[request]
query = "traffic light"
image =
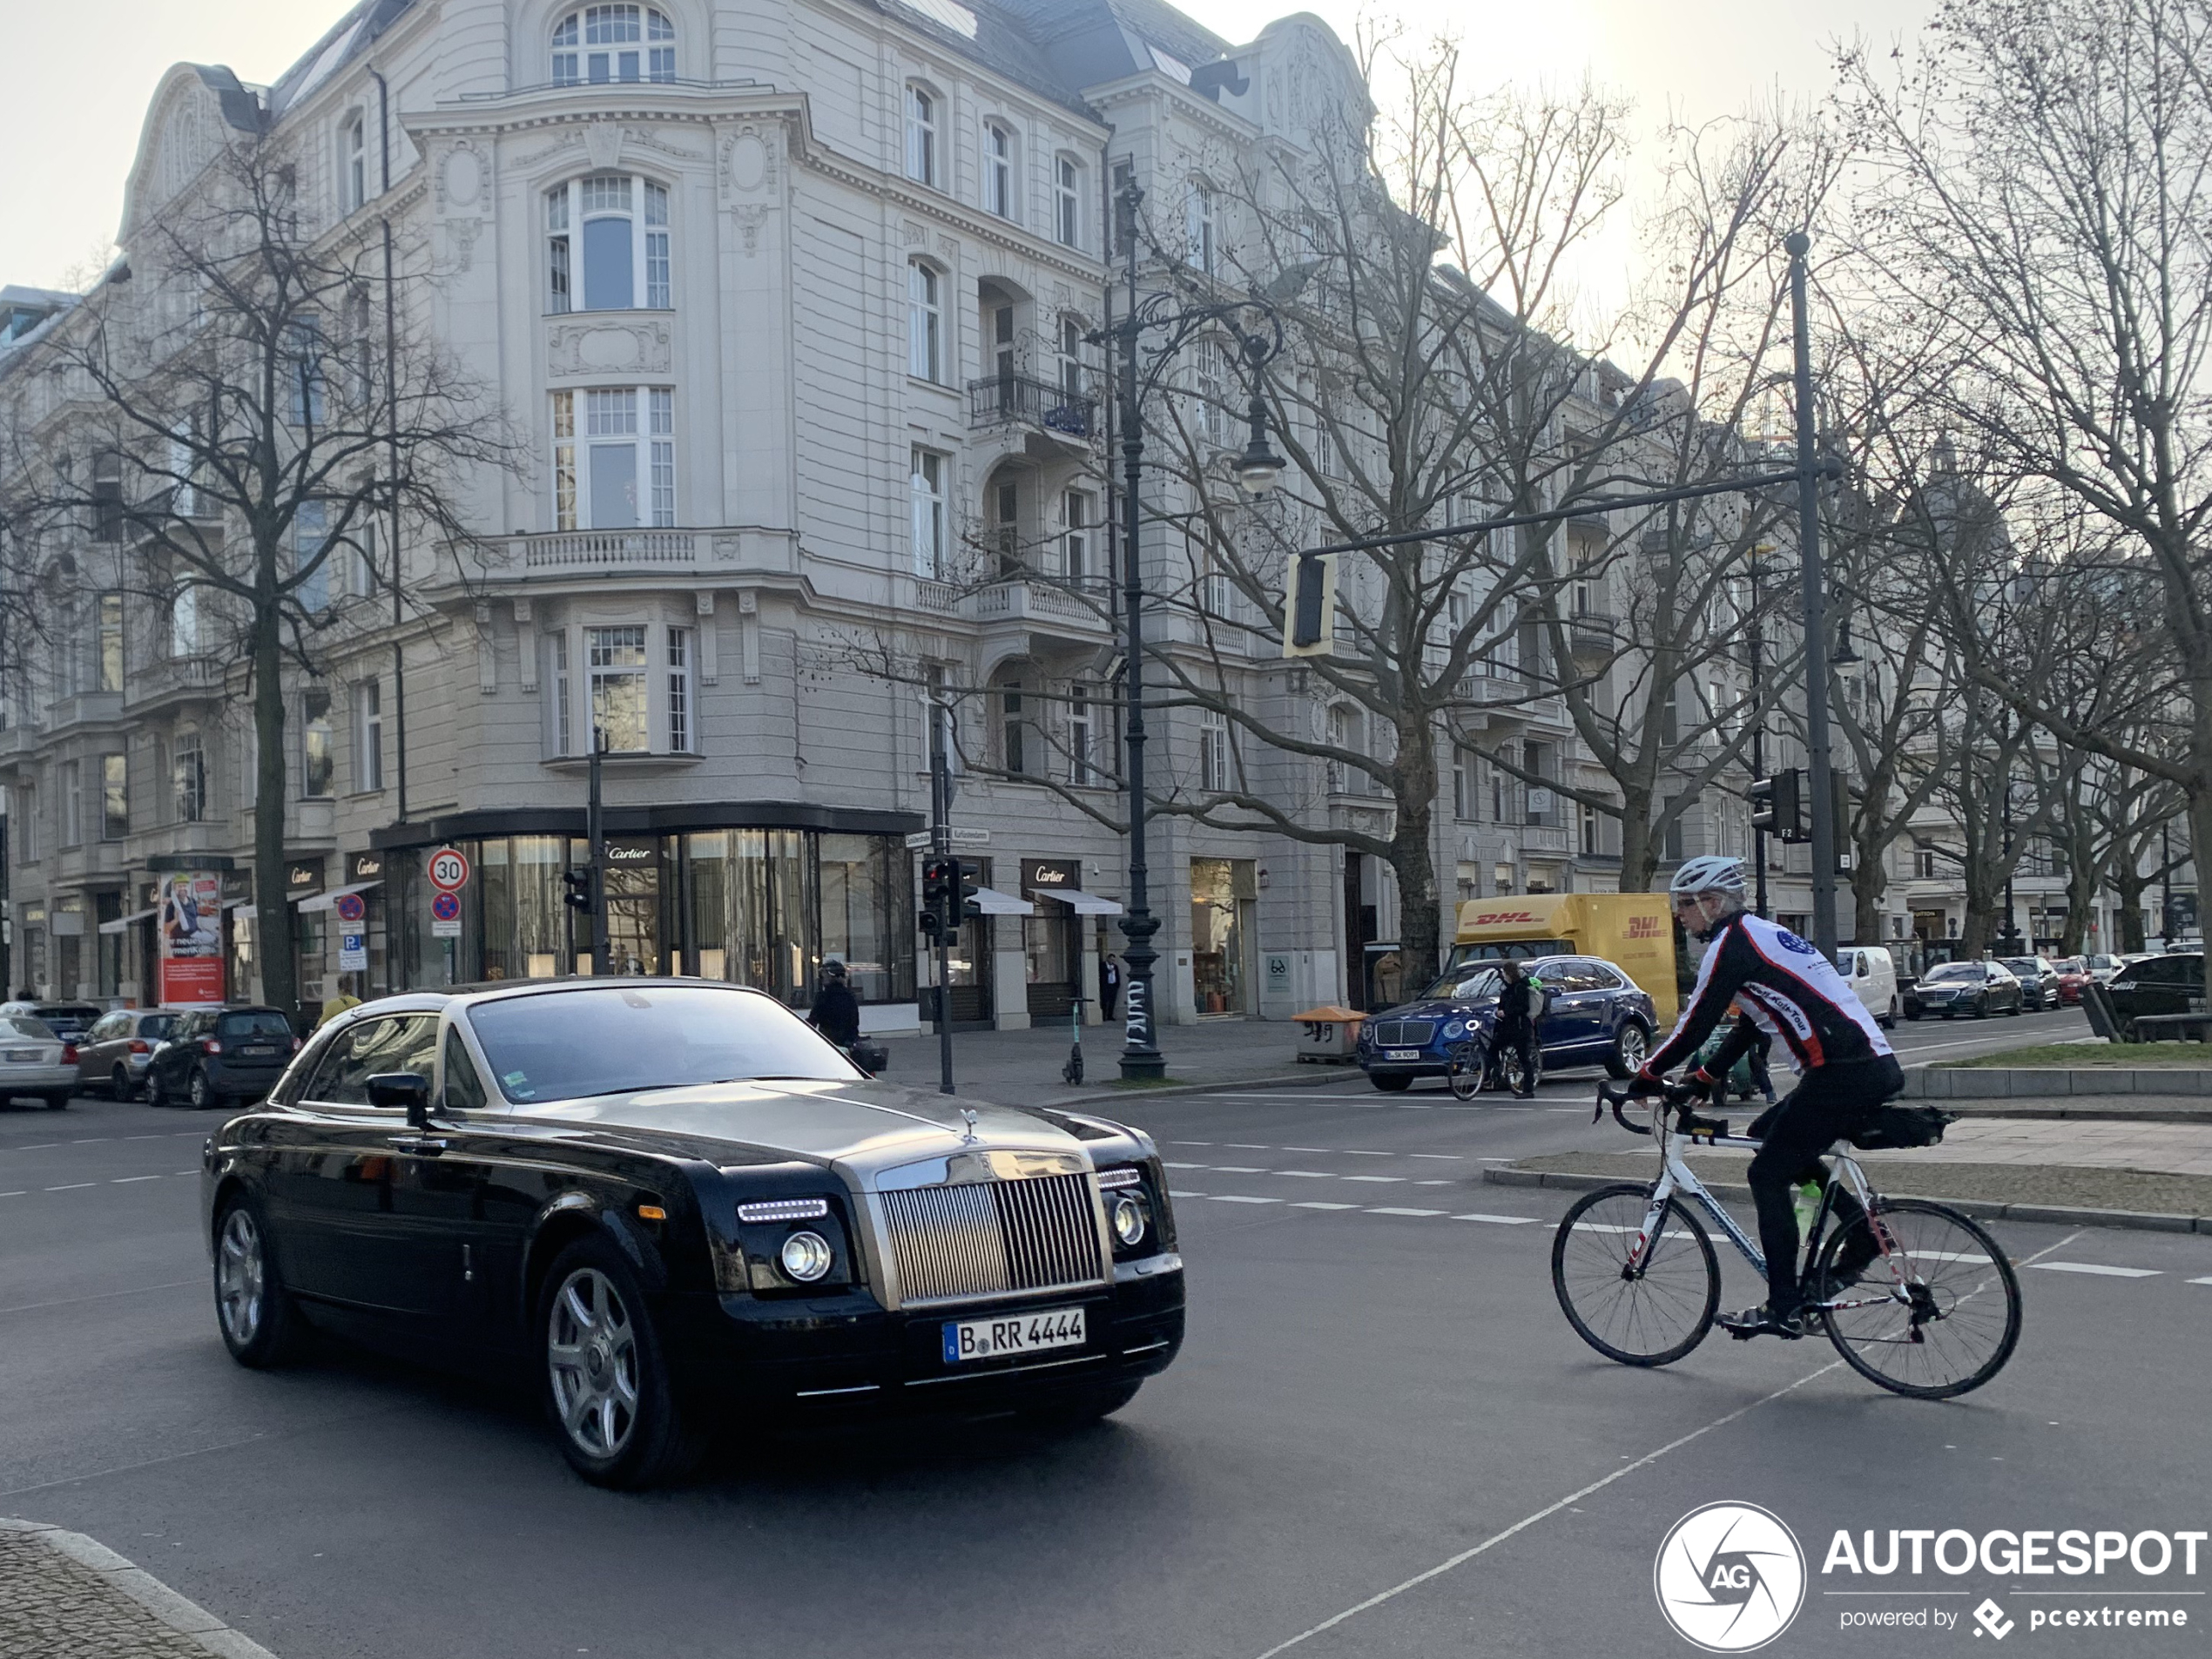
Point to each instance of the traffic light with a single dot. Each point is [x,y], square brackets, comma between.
[940,881]
[971,883]
[929,924]
[1777,805]
[1309,606]
[577,884]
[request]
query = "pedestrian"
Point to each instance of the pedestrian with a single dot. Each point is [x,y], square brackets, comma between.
[338,1002]
[1109,983]
[836,1013]
[1519,1001]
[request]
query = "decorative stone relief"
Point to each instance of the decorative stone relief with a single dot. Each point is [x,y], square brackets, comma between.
[948,249]
[913,234]
[460,179]
[461,242]
[749,216]
[602,143]
[524,654]
[646,139]
[534,157]
[487,652]
[709,656]
[608,347]
[750,160]
[749,636]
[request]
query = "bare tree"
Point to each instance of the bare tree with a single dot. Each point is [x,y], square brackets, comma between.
[252,420]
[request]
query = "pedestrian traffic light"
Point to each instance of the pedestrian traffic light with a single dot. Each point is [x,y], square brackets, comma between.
[930,924]
[940,885]
[578,884]
[1777,805]
[1309,606]
[971,883]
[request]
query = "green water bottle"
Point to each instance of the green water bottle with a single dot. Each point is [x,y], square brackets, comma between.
[1807,1204]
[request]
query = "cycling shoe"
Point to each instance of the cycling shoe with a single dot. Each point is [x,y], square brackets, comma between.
[1762,1321]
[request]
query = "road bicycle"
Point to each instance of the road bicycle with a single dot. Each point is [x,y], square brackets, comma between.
[1465,1060]
[1934,1314]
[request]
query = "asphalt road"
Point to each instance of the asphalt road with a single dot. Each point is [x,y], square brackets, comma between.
[1378,1385]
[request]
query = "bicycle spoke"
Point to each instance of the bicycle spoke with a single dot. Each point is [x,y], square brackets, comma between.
[1639,1314]
[1936,1315]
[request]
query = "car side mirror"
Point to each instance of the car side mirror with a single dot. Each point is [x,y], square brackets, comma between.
[410,1089]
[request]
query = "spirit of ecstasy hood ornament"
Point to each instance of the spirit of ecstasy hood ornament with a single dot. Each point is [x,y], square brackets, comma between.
[968,1134]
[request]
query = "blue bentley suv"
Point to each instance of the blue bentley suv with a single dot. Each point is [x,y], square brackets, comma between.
[1594,1015]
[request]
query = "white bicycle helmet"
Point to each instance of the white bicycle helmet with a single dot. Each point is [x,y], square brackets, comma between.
[1707,874]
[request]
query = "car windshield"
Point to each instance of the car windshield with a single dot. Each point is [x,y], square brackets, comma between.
[22,1025]
[2023,965]
[254,1022]
[1955,971]
[565,1045]
[1469,981]
[64,1014]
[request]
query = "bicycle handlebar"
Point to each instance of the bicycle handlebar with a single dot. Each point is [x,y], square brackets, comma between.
[1677,1097]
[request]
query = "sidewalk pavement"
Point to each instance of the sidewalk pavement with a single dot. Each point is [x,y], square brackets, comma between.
[64,1596]
[1022,1067]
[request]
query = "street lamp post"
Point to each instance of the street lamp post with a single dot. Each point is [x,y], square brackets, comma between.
[1256,471]
[1819,784]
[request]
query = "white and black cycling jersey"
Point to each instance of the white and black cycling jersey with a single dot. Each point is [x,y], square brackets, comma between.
[1789,989]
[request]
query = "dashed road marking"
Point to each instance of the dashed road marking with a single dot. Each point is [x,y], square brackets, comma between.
[125,1180]
[2099,1268]
[1391,1180]
[1239,1197]
[1503,1221]
[1393,1210]
[2194,1281]
[1315,1204]
[1238,1168]
[73,1186]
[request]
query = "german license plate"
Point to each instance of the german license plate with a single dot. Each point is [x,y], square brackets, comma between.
[1017,1333]
[22,1057]
[257,1051]
[1401,1054]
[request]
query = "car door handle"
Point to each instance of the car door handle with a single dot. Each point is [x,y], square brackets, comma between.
[428,1146]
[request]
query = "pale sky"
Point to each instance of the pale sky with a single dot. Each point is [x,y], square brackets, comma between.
[83,72]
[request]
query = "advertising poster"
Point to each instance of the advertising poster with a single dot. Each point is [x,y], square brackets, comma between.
[189,917]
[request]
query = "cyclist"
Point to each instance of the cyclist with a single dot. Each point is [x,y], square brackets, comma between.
[1520,1000]
[1788,989]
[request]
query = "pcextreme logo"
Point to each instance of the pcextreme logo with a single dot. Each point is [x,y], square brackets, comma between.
[1730,1577]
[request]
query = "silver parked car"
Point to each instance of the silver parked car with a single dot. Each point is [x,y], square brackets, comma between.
[32,1066]
[112,1055]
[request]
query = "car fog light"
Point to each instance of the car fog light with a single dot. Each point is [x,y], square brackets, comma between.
[807,1257]
[1129,1219]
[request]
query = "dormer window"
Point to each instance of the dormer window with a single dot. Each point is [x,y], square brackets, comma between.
[600,44]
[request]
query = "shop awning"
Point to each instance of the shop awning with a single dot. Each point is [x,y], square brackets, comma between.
[324,900]
[122,922]
[1083,904]
[992,902]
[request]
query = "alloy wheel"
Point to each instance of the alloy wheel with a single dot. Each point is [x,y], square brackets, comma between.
[1633,1046]
[239,1277]
[591,1354]
[200,1093]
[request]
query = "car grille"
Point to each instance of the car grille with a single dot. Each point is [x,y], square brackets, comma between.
[1404,1034]
[994,1238]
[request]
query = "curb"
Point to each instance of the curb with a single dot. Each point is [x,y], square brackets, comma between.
[187,1619]
[1937,1080]
[1992,1107]
[2061,1215]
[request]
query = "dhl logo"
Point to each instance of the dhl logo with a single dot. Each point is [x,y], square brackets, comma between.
[1644,928]
[1492,917]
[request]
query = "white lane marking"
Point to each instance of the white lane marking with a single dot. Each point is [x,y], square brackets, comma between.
[1315,1203]
[1173,1193]
[1569,1501]
[1305,1149]
[1310,1175]
[1239,1168]
[1189,1143]
[39,1146]
[1503,1221]
[1239,1198]
[1436,1184]
[1355,1152]
[1384,1210]
[125,1180]
[1246,1146]
[1452,1156]
[145,1137]
[1184,1166]
[73,1186]
[93,1140]
[2194,1281]
[1391,1180]
[2099,1268]
[16,1194]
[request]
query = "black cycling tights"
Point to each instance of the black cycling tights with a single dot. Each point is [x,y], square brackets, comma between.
[1826,1106]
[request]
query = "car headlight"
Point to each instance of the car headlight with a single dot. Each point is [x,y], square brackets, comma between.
[1454,1031]
[807,1257]
[1127,1216]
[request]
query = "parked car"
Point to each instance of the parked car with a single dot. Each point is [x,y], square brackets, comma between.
[32,1066]
[2073,974]
[2039,981]
[671,1203]
[2171,984]
[1952,989]
[2103,967]
[212,1056]
[113,1054]
[1871,974]
[1594,1015]
[68,1020]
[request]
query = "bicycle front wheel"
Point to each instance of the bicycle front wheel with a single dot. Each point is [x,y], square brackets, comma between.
[1466,1071]
[1647,1314]
[1934,1311]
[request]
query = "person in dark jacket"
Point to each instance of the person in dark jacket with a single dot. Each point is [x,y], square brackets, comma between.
[1109,984]
[1516,1027]
[836,1013]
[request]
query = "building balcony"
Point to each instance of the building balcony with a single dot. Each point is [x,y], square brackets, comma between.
[1593,633]
[84,709]
[1038,605]
[174,679]
[1059,416]
[637,551]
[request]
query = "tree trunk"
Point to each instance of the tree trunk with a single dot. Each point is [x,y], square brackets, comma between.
[1413,859]
[1868,885]
[2080,896]
[2128,883]
[1639,843]
[273,912]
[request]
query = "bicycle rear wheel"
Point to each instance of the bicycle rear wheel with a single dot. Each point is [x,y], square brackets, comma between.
[1465,1072]
[1647,1316]
[1935,1312]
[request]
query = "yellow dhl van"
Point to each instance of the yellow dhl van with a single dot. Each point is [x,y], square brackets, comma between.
[1633,931]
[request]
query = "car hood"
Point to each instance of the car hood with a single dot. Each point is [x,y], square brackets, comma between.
[871,1132]
[1435,1011]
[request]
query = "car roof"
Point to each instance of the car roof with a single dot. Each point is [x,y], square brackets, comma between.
[498,990]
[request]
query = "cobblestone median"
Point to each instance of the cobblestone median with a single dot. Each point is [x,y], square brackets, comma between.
[63,1597]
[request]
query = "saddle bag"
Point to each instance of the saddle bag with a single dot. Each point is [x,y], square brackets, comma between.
[1890,1127]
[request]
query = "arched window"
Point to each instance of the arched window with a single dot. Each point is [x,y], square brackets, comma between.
[614,43]
[353,162]
[621,223]
[922,135]
[1068,201]
[925,323]
[1198,229]
[998,170]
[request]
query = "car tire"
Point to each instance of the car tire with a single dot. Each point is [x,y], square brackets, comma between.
[1079,1407]
[119,1085]
[59,1102]
[616,1415]
[253,1310]
[156,1095]
[199,1091]
[1888,1022]
[1631,1048]
[1391,1083]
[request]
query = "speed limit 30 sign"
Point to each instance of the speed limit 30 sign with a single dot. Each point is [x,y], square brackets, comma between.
[448,869]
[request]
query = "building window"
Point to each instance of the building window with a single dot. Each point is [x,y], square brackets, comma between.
[600,44]
[1076,512]
[188,779]
[1082,751]
[679,690]
[1071,358]
[1068,201]
[304,374]
[107,499]
[629,476]
[1198,231]
[1013,750]
[922,135]
[1006,530]
[318,752]
[1462,783]
[115,797]
[998,170]
[1591,844]
[310,565]
[926,487]
[556,652]
[1212,387]
[353,164]
[1213,752]
[183,621]
[625,250]
[27,815]
[925,323]
[72,787]
[108,644]
[368,736]
[616,659]
[1124,227]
